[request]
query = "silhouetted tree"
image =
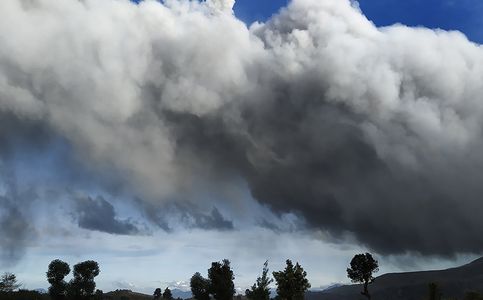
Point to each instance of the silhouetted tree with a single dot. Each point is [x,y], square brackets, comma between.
[221,278]
[362,268]
[200,287]
[99,295]
[55,276]
[260,290]
[167,295]
[8,282]
[157,294]
[291,282]
[82,286]
[434,292]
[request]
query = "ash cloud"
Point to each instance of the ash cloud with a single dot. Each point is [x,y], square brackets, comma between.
[99,215]
[171,216]
[212,221]
[373,132]
[15,232]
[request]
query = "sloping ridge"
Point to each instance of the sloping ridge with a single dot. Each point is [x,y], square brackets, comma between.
[126,295]
[454,282]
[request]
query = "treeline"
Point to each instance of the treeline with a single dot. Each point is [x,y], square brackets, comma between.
[291,283]
[81,287]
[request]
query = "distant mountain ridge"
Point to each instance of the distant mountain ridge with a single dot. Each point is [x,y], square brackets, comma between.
[126,295]
[453,282]
[177,293]
[130,295]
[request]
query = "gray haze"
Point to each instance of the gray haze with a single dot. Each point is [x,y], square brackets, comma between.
[15,232]
[364,132]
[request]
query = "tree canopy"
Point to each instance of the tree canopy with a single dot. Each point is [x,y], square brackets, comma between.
[8,282]
[221,279]
[167,295]
[200,287]
[260,290]
[157,294]
[82,286]
[361,270]
[291,282]
[55,276]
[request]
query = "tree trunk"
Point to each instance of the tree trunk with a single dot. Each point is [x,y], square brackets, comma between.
[366,291]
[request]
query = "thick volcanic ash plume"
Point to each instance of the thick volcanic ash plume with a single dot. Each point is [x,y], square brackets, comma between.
[374,132]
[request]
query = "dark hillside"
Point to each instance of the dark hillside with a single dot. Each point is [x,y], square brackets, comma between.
[454,282]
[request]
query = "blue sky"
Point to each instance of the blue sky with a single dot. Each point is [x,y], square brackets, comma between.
[462,15]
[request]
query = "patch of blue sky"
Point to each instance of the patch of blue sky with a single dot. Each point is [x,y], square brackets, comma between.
[462,15]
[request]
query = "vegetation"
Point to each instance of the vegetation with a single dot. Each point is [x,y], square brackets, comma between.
[8,282]
[157,294]
[361,270]
[55,276]
[260,290]
[82,286]
[99,295]
[291,282]
[167,295]
[219,283]
[23,295]
[200,287]
[221,278]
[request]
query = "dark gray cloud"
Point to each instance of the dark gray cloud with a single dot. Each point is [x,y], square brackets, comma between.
[18,136]
[212,221]
[98,214]
[172,215]
[158,215]
[312,158]
[362,131]
[15,231]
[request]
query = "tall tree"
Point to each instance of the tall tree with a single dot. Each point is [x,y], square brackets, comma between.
[82,286]
[8,282]
[221,278]
[200,287]
[361,270]
[260,290]
[167,295]
[55,276]
[291,282]
[157,294]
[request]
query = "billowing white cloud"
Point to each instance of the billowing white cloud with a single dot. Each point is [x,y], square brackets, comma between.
[354,128]
[222,5]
